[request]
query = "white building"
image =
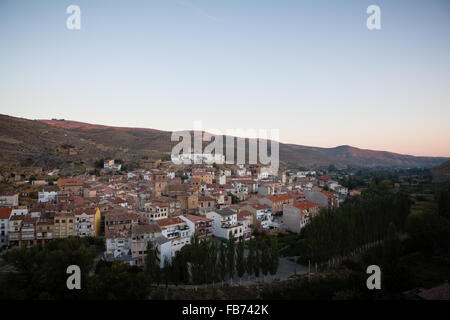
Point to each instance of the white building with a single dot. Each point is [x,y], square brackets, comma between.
[47,195]
[85,222]
[225,224]
[111,165]
[222,179]
[177,231]
[118,243]
[163,248]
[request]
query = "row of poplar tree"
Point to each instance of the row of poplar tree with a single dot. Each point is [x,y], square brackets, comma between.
[206,261]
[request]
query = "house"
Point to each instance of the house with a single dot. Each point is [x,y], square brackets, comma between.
[163,250]
[243,220]
[87,222]
[323,180]
[222,179]
[111,165]
[9,200]
[28,230]
[277,202]
[266,189]
[201,226]
[120,219]
[5,214]
[202,176]
[64,225]
[45,229]
[205,204]
[262,214]
[177,231]
[118,244]
[324,198]
[71,186]
[48,194]
[14,231]
[156,211]
[140,236]
[296,216]
[225,224]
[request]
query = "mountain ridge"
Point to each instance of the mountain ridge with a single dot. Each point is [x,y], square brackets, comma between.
[49,143]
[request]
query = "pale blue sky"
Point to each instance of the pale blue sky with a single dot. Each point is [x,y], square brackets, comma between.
[309,68]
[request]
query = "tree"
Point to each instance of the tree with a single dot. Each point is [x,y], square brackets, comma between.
[118,280]
[274,256]
[240,259]
[263,245]
[444,203]
[212,261]
[151,264]
[222,262]
[99,163]
[231,254]
[250,262]
[257,263]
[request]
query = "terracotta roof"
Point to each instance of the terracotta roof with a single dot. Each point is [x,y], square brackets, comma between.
[144,228]
[169,221]
[68,182]
[89,211]
[5,213]
[197,219]
[279,198]
[328,194]
[306,205]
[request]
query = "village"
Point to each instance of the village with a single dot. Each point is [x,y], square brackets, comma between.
[163,203]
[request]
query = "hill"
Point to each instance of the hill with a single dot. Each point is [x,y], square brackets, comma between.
[62,143]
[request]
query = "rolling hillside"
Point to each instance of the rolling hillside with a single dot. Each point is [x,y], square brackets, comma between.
[59,143]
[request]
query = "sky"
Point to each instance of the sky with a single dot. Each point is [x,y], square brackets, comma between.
[311,69]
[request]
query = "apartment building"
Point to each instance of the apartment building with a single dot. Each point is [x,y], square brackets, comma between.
[5,214]
[71,187]
[64,225]
[296,216]
[118,220]
[87,222]
[118,245]
[225,224]
[9,200]
[28,230]
[205,204]
[14,231]
[201,226]
[45,228]
[277,202]
[177,231]
[140,236]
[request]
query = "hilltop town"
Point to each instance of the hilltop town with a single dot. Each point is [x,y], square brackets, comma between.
[161,203]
